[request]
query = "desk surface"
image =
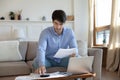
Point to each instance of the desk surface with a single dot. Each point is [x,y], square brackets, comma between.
[88,75]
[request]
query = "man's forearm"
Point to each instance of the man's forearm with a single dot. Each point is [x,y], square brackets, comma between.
[41,58]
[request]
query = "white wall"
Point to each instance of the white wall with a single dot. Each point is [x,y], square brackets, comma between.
[81,19]
[30,29]
[35,9]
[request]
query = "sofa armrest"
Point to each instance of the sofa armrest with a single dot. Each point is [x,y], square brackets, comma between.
[97,64]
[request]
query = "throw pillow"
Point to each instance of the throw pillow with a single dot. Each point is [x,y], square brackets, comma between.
[9,51]
[78,65]
[82,48]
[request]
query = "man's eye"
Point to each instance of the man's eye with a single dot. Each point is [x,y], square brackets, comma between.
[55,23]
[61,24]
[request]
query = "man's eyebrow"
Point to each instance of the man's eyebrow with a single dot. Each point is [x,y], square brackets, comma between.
[59,23]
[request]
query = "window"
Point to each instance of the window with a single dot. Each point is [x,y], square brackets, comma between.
[102,21]
[102,36]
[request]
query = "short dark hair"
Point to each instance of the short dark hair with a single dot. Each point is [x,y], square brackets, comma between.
[59,15]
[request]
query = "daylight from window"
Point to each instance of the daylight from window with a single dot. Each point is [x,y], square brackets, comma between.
[103,12]
[103,19]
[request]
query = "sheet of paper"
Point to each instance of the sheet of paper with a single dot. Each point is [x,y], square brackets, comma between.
[23,78]
[37,76]
[61,53]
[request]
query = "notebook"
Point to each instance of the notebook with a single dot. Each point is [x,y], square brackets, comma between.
[80,65]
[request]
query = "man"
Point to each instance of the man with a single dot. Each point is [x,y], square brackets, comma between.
[51,40]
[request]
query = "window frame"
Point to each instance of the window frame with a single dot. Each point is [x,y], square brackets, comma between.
[97,29]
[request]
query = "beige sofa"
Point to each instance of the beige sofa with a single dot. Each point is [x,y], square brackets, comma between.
[9,70]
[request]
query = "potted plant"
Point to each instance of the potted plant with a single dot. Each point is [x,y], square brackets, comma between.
[104,42]
[12,15]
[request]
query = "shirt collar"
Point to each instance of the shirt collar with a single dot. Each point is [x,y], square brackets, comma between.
[56,33]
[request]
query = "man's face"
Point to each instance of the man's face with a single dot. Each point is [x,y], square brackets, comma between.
[58,26]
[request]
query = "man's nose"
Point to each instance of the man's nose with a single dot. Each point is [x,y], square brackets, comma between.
[58,27]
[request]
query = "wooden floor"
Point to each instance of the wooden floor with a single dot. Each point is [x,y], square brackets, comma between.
[109,75]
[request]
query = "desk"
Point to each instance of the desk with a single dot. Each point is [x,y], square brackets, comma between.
[82,76]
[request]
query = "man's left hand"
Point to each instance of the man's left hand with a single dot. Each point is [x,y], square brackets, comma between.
[72,55]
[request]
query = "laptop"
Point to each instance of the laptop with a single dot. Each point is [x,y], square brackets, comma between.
[80,65]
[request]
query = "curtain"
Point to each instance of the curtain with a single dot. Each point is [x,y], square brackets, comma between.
[113,55]
[91,22]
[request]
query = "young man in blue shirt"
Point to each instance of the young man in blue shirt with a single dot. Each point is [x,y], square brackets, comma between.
[51,40]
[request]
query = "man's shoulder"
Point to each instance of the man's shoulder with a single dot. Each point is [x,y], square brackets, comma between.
[47,29]
[67,29]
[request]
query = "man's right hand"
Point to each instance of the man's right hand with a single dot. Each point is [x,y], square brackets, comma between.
[41,70]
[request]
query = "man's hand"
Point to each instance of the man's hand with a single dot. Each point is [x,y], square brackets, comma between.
[41,70]
[72,55]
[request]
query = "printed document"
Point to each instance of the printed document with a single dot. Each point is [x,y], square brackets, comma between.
[61,53]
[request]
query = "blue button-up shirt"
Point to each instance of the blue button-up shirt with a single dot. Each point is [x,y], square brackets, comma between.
[50,42]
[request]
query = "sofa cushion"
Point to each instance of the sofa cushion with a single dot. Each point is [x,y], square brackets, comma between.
[9,51]
[23,49]
[14,68]
[8,78]
[31,50]
[29,63]
[82,48]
